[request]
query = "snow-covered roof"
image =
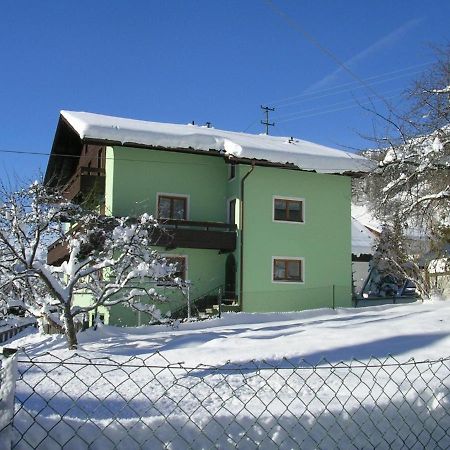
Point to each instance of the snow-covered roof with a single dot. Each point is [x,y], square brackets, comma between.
[362,240]
[364,216]
[281,150]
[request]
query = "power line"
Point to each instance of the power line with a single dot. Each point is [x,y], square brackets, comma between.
[295,25]
[63,155]
[352,83]
[342,102]
[337,109]
[283,116]
[250,125]
[315,97]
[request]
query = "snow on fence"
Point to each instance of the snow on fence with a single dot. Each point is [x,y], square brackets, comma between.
[77,402]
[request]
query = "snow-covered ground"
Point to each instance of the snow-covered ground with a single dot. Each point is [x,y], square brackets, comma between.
[419,330]
[147,403]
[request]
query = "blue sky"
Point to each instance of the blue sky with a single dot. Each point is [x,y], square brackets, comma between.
[204,60]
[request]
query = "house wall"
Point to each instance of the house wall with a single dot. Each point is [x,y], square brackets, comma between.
[134,176]
[324,240]
[83,300]
[206,271]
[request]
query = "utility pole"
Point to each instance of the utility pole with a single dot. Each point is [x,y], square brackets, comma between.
[266,122]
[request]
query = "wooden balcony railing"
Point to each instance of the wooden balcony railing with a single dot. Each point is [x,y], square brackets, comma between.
[172,234]
[57,252]
[194,234]
[85,180]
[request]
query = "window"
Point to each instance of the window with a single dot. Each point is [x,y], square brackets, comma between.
[232,211]
[288,210]
[180,266]
[288,270]
[100,158]
[172,207]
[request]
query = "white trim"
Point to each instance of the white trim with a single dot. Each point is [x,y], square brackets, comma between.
[283,197]
[173,194]
[289,258]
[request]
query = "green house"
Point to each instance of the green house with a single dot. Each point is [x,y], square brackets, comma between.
[264,221]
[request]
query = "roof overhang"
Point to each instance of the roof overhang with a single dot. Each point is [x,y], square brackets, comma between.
[76,129]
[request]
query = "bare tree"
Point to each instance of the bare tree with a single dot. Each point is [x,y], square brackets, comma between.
[109,259]
[412,181]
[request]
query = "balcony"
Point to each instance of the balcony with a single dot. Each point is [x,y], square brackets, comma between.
[191,234]
[57,252]
[172,234]
[86,180]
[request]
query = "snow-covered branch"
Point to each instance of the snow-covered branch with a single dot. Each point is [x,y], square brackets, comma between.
[108,259]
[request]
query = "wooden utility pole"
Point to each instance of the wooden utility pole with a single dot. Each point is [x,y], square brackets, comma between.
[266,122]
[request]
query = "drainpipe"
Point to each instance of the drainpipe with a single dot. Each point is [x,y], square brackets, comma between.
[241,220]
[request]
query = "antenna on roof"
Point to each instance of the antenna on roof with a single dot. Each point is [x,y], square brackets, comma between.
[266,122]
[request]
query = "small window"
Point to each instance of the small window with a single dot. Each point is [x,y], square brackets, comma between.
[288,270]
[232,211]
[172,207]
[288,210]
[100,159]
[179,263]
[231,171]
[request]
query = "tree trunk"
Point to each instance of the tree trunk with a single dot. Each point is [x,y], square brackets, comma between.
[69,327]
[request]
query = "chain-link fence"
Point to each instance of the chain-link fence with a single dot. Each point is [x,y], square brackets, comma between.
[78,401]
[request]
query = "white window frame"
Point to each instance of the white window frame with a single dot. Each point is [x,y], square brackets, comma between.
[288,258]
[296,199]
[172,194]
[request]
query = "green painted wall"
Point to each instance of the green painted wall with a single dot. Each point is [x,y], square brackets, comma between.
[323,241]
[85,300]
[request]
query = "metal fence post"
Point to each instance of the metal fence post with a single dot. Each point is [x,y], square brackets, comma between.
[219,299]
[188,302]
[8,377]
[334,301]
